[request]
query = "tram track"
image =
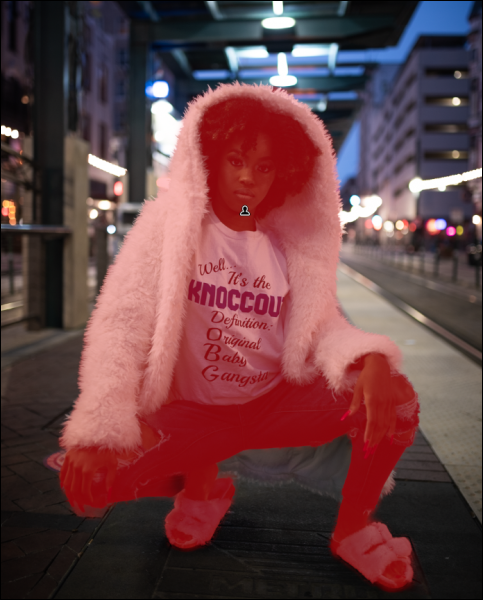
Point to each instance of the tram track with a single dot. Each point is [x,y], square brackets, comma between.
[453,317]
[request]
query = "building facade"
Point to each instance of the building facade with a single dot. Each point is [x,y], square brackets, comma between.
[415,124]
[474,123]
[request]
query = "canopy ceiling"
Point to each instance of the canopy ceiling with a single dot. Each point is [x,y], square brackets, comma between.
[196,38]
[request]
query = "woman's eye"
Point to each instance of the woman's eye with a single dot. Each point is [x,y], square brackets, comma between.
[233,160]
[266,169]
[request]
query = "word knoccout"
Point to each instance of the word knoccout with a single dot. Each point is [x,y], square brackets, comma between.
[211,295]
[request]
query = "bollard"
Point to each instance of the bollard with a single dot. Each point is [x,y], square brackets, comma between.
[436,264]
[455,267]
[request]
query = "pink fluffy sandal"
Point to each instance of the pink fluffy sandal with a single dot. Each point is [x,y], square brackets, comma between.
[193,522]
[371,550]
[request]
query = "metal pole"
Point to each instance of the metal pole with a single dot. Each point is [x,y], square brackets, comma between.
[477,274]
[455,266]
[10,264]
[436,264]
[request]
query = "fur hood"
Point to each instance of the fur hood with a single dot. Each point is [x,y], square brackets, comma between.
[132,339]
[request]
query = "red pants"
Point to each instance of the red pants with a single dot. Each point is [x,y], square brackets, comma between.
[196,435]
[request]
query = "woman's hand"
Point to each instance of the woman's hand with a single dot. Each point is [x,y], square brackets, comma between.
[381,393]
[81,464]
[77,473]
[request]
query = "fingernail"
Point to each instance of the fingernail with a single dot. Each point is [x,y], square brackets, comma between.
[345,415]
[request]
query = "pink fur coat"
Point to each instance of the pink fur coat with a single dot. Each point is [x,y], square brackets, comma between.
[132,338]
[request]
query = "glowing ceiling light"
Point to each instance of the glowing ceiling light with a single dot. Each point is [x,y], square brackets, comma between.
[282,66]
[277,8]
[301,50]
[278,23]
[283,81]
[255,52]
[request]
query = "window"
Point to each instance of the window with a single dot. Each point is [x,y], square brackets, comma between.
[446,155]
[452,73]
[86,127]
[102,83]
[103,141]
[87,73]
[445,127]
[122,57]
[121,87]
[446,101]
[119,120]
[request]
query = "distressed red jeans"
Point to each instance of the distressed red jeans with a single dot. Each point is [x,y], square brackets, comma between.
[197,435]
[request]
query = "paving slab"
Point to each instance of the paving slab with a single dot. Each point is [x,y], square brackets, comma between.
[273,543]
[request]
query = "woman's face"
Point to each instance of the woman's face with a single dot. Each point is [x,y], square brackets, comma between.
[245,179]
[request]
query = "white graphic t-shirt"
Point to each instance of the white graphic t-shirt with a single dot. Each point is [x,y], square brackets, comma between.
[231,348]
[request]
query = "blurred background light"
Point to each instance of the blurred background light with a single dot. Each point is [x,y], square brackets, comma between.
[368,224]
[476,220]
[377,222]
[106,166]
[399,225]
[254,52]
[440,224]
[104,205]
[283,81]
[277,8]
[93,214]
[118,188]
[460,230]
[282,66]
[111,229]
[431,226]
[451,231]
[388,226]
[302,50]
[278,23]
[456,101]
[413,227]
[355,200]
[161,107]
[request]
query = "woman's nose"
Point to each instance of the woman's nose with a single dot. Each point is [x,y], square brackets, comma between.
[246,175]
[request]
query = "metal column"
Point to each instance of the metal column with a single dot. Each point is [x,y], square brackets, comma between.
[49,125]
[139,144]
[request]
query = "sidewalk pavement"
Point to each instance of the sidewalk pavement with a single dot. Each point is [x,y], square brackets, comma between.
[273,542]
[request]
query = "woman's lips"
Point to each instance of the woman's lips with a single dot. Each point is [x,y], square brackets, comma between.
[244,195]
